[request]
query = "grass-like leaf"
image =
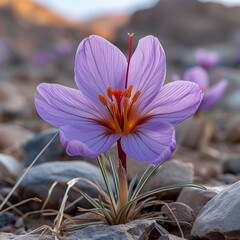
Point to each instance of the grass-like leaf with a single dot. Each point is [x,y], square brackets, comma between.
[131,186]
[143,180]
[114,174]
[156,191]
[107,184]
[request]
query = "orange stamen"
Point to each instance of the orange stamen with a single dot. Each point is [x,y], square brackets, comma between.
[102,99]
[122,118]
[110,92]
[136,96]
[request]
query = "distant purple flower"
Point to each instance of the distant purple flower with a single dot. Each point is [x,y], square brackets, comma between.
[42,57]
[211,94]
[118,100]
[63,48]
[206,59]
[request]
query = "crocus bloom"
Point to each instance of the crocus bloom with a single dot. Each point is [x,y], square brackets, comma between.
[119,100]
[211,94]
[207,59]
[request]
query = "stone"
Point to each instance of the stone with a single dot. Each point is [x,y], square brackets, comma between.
[135,230]
[12,138]
[41,177]
[9,167]
[228,178]
[8,236]
[34,146]
[233,129]
[195,198]
[232,101]
[219,218]
[194,133]
[7,218]
[183,213]
[232,165]
[12,104]
[170,237]
[171,172]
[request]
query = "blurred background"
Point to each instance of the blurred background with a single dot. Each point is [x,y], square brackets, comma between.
[39,38]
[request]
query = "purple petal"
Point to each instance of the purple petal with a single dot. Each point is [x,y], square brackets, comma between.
[213,94]
[86,139]
[207,59]
[59,105]
[197,75]
[153,142]
[98,65]
[176,102]
[147,69]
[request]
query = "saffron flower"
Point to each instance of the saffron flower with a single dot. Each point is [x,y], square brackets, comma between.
[119,100]
[206,59]
[211,93]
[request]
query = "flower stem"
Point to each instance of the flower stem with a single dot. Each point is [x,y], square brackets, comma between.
[122,155]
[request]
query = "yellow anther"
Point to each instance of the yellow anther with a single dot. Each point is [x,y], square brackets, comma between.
[110,92]
[102,99]
[136,96]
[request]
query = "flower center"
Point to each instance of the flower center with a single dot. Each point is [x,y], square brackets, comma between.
[121,106]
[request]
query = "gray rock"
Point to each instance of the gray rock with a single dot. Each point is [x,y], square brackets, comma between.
[194,133]
[134,230]
[219,218]
[232,101]
[41,177]
[8,236]
[34,146]
[232,165]
[171,172]
[233,129]
[228,178]
[195,198]
[6,219]
[9,167]
[182,212]
[12,138]
[170,237]
[13,104]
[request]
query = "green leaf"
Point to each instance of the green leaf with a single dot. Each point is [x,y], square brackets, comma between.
[168,188]
[107,184]
[114,173]
[90,199]
[143,180]
[155,191]
[131,186]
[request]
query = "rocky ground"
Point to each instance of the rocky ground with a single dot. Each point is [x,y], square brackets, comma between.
[208,151]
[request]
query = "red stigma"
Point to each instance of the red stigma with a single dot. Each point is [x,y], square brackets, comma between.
[118,95]
[129,57]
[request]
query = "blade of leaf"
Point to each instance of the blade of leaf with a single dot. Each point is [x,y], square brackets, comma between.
[106,181]
[155,191]
[131,186]
[114,173]
[143,180]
